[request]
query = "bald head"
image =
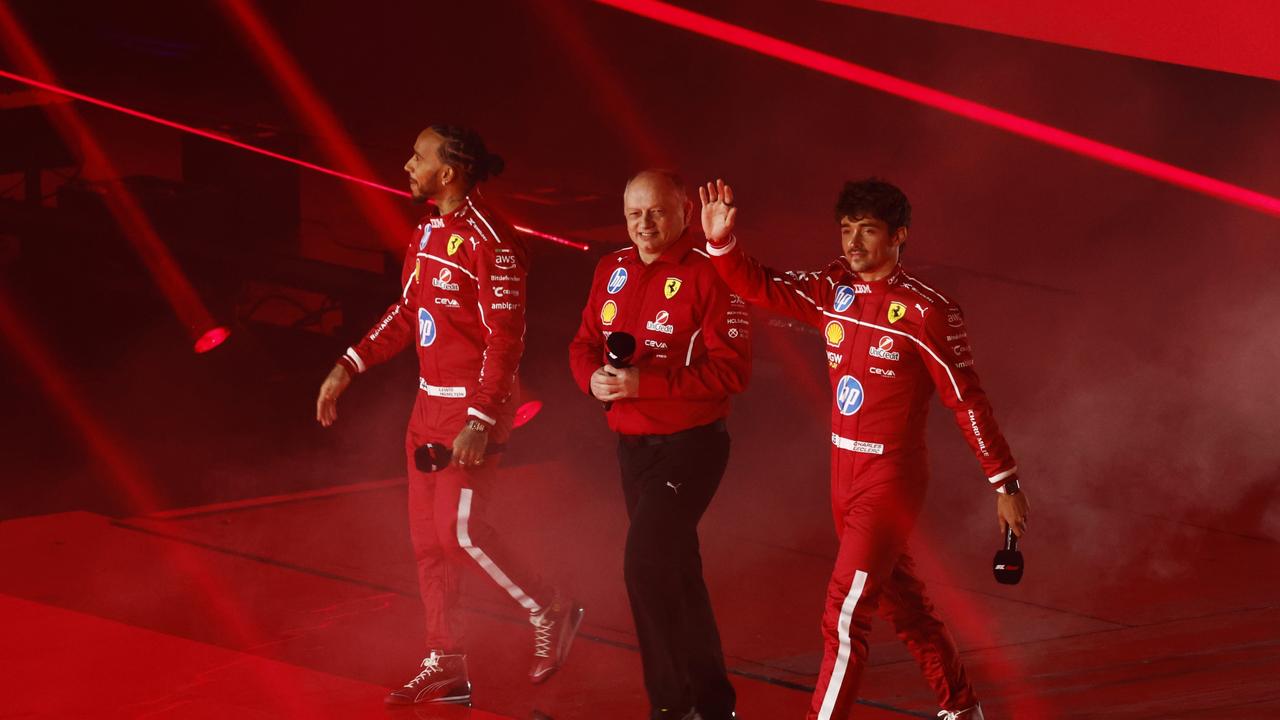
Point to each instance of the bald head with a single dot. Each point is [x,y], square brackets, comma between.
[657,211]
[667,179]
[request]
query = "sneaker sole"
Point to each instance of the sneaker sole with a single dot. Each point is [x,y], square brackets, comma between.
[454,700]
[568,643]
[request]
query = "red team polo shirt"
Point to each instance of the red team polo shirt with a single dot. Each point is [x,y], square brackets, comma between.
[693,337]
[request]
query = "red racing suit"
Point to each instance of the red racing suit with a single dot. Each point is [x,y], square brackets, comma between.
[890,344]
[462,308]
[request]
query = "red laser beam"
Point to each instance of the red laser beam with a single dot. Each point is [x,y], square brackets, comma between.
[122,205]
[798,55]
[315,114]
[50,87]
[189,129]
[624,113]
[108,454]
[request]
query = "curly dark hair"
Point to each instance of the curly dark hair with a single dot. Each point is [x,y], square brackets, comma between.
[875,198]
[465,151]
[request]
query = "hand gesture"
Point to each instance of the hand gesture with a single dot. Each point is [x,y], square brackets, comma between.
[330,389]
[718,212]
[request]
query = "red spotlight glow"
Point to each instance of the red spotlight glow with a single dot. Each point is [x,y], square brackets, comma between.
[123,206]
[310,108]
[1040,132]
[212,339]
[525,412]
[50,87]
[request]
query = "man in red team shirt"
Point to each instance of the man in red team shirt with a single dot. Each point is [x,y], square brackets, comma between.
[462,308]
[668,407]
[891,341]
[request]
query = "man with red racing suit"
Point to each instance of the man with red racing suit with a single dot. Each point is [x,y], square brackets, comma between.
[462,309]
[891,341]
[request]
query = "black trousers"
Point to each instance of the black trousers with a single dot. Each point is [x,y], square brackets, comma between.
[669,482]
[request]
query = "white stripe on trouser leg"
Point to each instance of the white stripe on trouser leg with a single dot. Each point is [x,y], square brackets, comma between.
[842,657]
[464,540]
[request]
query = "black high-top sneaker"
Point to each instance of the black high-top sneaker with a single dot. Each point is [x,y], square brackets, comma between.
[554,628]
[442,679]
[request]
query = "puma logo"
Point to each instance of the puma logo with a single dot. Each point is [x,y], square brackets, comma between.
[674,486]
[921,309]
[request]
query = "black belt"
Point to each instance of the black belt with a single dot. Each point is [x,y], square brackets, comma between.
[647,440]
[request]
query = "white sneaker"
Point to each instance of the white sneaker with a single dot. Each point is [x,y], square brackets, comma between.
[973,713]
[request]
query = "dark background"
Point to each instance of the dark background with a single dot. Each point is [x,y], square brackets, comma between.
[1123,327]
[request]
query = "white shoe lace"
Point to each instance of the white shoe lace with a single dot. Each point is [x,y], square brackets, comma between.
[949,715]
[430,666]
[542,634]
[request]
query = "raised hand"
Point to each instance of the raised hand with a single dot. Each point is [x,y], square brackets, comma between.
[718,212]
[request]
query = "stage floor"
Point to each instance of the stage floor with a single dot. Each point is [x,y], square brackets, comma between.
[306,606]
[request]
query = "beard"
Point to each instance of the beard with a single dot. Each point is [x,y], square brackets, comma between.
[420,194]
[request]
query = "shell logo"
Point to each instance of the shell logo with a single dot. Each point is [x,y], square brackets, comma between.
[608,312]
[834,333]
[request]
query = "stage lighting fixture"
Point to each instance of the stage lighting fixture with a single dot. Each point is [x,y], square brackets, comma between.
[211,339]
[527,411]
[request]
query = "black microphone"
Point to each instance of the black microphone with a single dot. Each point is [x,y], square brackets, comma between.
[434,457]
[620,347]
[1008,564]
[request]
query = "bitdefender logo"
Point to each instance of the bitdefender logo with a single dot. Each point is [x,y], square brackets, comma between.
[659,323]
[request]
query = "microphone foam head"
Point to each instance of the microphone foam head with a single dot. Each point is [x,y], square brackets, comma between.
[431,457]
[621,346]
[1007,567]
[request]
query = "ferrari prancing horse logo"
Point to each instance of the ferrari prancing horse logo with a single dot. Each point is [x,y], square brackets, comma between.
[896,311]
[671,288]
[454,242]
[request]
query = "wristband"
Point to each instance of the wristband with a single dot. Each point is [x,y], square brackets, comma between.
[1009,486]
